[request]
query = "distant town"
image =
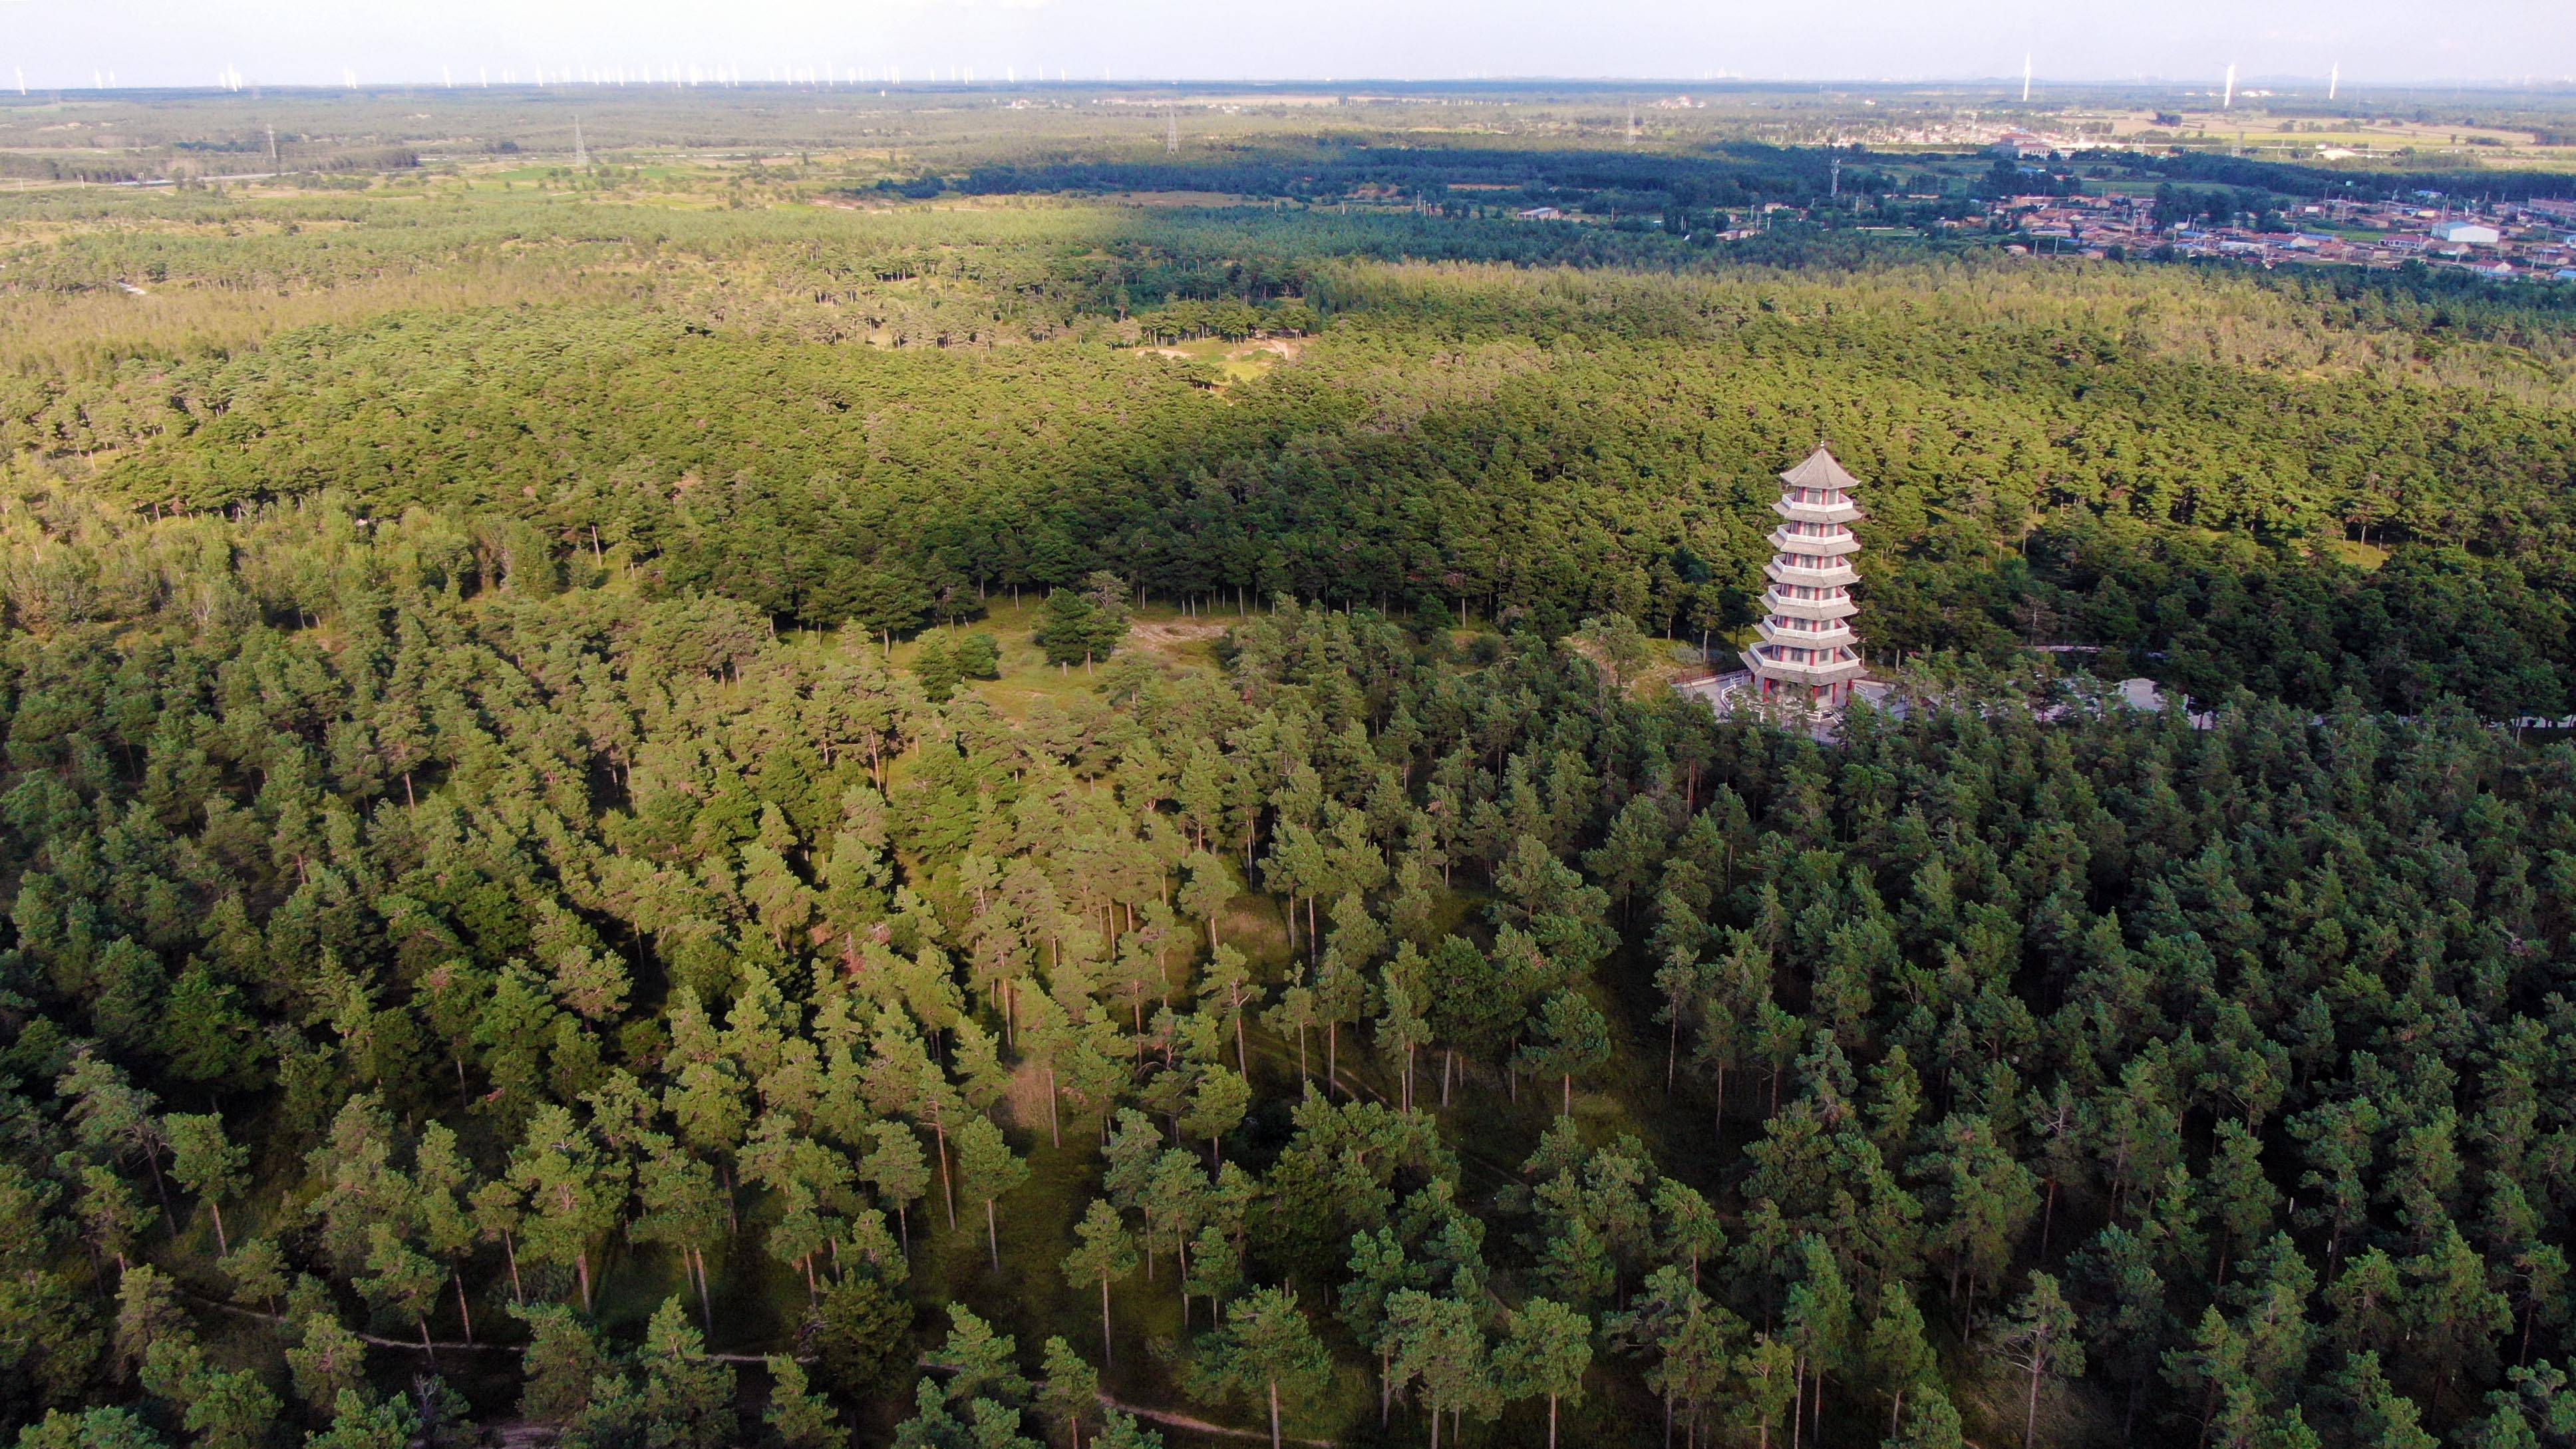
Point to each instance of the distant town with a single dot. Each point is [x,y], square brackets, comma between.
[2078,194]
[2531,239]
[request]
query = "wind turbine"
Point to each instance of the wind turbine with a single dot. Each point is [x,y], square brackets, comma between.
[2025,78]
[2228,103]
[2334,79]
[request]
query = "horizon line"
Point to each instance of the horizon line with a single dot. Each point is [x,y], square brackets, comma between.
[710,80]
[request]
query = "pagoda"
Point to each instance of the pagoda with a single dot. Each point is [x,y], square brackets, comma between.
[1807,652]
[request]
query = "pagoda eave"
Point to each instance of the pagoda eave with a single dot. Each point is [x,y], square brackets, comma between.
[1818,512]
[1835,637]
[1776,602]
[1816,674]
[1780,573]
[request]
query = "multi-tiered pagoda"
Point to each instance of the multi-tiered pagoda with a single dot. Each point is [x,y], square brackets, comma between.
[1808,652]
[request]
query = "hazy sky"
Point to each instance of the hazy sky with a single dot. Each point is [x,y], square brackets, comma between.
[185,42]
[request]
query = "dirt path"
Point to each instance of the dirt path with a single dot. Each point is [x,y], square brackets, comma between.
[518,1433]
[1177,631]
[1172,1420]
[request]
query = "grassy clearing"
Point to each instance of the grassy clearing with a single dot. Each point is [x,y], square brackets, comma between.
[1236,362]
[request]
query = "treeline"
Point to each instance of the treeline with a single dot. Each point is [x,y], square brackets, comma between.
[93,170]
[2432,623]
[1731,174]
[2282,178]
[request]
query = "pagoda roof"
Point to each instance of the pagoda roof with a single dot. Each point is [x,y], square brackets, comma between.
[1819,471]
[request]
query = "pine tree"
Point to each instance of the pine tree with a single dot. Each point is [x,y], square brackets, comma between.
[990,1169]
[1767,1374]
[2040,1337]
[2449,1309]
[2381,1417]
[233,1410]
[1210,884]
[1931,1423]
[256,1270]
[981,1361]
[1686,1228]
[561,1362]
[1440,1345]
[326,1359]
[443,1184]
[2242,1196]
[402,1282]
[1069,629]
[688,1397]
[112,1427]
[2130,1338]
[1572,1039]
[1985,1199]
[1265,1349]
[1401,1032]
[863,1334]
[896,1168]
[1103,1253]
[1214,1271]
[1817,1319]
[801,1418]
[1069,1389]
[1899,1358]
[684,1210]
[1217,1106]
[1546,1348]
[574,1194]
[1121,1431]
[207,1163]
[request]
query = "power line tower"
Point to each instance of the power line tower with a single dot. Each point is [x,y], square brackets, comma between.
[1834,187]
[1632,123]
[1171,131]
[580,151]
